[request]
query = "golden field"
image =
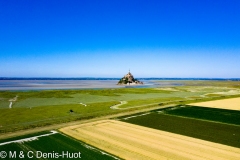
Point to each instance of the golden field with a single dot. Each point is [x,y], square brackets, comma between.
[129,141]
[232,104]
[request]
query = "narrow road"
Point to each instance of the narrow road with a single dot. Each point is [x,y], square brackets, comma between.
[117,105]
[12,100]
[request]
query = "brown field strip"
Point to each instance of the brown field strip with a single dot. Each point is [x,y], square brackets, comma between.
[232,104]
[130,141]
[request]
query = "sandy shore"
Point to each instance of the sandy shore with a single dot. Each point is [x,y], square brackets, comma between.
[232,104]
[130,141]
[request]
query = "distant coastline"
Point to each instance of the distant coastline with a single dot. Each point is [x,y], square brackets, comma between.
[17,84]
[8,83]
[93,78]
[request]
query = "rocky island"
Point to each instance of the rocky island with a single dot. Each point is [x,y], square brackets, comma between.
[128,79]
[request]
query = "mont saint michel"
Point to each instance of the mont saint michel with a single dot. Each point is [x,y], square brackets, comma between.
[128,79]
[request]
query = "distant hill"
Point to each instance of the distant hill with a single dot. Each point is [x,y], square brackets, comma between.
[129,79]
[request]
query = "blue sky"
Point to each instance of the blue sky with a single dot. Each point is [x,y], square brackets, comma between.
[86,38]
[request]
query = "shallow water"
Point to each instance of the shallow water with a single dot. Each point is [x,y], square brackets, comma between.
[77,84]
[56,84]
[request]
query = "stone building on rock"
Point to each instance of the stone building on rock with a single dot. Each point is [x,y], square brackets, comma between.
[128,79]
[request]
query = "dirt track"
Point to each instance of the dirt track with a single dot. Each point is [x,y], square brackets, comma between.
[232,104]
[130,141]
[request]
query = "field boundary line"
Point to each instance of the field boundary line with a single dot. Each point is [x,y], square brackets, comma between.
[125,118]
[29,139]
[201,119]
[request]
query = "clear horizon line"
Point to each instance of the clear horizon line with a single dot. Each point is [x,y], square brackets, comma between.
[118,77]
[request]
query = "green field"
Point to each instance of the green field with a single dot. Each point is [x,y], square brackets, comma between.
[22,118]
[45,107]
[193,122]
[55,143]
[210,114]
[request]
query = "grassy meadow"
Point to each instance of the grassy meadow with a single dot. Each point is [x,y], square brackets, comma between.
[45,107]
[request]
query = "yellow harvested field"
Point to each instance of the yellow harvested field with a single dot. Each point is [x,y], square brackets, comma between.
[130,141]
[232,104]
